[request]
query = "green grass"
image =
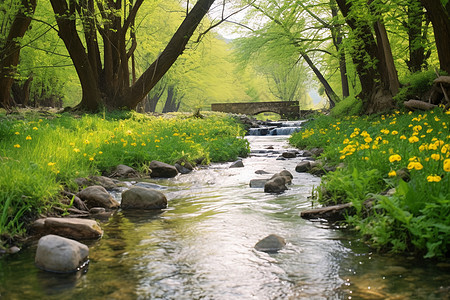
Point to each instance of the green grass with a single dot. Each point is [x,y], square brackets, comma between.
[40,157]
[375,151]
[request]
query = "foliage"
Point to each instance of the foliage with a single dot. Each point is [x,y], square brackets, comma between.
[377,152]
[349,106]
[39,157]
[415,85]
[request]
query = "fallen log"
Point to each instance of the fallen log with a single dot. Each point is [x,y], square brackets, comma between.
[417,104]
[332,213]
[335,213]
[442,79]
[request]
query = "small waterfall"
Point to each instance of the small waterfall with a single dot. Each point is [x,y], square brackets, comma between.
[276,128]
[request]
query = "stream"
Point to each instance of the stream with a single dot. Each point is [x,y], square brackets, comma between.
[202,247]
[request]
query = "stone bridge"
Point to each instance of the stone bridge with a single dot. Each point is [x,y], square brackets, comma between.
[286,109]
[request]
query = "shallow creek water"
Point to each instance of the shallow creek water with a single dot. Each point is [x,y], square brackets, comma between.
[201,247]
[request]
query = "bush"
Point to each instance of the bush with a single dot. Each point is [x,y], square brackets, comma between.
[415,85]
[349,106]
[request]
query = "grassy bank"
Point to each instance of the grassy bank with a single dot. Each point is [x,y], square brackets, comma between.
[41,156]
[406,151]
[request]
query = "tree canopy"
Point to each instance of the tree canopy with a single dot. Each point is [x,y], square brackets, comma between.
[125,51]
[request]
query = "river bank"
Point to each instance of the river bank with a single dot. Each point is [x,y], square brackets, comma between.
[43,153]
[398,161]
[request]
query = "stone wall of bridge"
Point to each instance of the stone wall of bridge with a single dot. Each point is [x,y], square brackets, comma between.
[287,110]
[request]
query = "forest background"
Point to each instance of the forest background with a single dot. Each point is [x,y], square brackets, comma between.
[364,50]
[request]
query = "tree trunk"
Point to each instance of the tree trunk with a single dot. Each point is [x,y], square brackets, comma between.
[173,101]
[337,36]
[417,37]
[370,60]
[9,54]
[109,85]
[173,50]
[66,20]
[332,97]
[440,18]
[387,67]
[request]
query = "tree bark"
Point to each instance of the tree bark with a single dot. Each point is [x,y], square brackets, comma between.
[440,18]
[9,54]
[66,20]
[417,36]
[337,36]
[372,61]
[387,66]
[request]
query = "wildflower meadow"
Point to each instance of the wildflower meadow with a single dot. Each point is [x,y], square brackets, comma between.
[40,157]
[401,162]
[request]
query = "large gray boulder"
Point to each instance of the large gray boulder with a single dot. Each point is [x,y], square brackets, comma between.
[275,185]
[143,198]
[97,196]
[74,228]
[287,179]
[303,166]
[271,244]
[162,170]
[286,173]
[59,254]
[123,171]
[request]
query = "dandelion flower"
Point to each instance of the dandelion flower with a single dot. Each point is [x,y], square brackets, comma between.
[446,165]
[415,165]
[76,150]
[436,156]
[16,133]
[394,158]
[434,178]
[392,173]
[28,138]
[16,146]
[50,164]
[413,139]
[35,128]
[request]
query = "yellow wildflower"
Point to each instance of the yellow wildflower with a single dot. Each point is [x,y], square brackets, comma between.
[415,165]
[76,150]
[50,164]
[436,156]
[28,138]
[446,165]
[434,178]
[445,148]
[16,146]
[394,158]
[392,173]
[413,139]
[402,137]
